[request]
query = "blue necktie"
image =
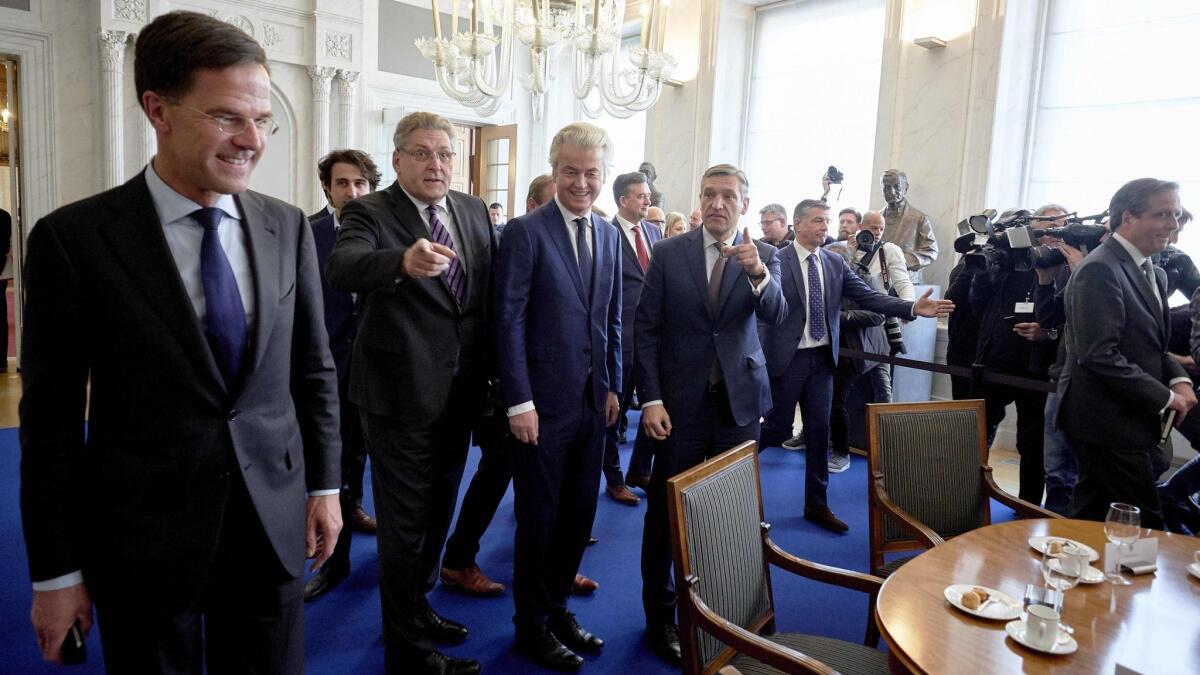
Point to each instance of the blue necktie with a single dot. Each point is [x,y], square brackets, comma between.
[816,300]
[224,315]
[585,256]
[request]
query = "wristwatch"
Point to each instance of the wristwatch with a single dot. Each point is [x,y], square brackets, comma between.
[758,277]
[1052,333]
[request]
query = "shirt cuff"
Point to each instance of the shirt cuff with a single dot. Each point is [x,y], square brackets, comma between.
[323,493]
[913,311]
[520,408]
[58,583]
[1176,380]
[647,404]
[758,288]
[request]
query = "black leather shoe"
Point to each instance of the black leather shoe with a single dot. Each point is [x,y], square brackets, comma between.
[540,646]
[438,663]
[664,640]
[823,517]
[442,630]
[323,581]
[571,634]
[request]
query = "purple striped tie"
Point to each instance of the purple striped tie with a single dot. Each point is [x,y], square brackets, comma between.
[454,277]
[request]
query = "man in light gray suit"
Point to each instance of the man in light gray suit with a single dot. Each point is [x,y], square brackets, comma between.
[1119,381]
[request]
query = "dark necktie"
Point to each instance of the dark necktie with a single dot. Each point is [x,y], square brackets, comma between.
[453,276]
[585,256]
[1148,270]
[816,300]
[714,279]
[642,254]
[224,314]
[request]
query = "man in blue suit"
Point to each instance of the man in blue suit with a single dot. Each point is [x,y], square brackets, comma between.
[632,193]
[802,352]
[344,175]
[557,309]
[700,369]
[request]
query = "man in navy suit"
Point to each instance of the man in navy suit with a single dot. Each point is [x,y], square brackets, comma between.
[700,397]
[344,175]
[632,193]
[557,324]
[802,352]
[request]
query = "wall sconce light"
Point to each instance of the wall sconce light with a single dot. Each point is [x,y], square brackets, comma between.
[930,42]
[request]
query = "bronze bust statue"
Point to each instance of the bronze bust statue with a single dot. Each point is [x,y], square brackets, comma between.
[905,225]
[656,197]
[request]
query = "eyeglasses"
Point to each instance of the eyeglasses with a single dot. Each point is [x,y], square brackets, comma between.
[236,125]
[660,223]
[770,220]
[423,155]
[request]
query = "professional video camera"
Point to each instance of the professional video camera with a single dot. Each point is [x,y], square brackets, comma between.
[987,243]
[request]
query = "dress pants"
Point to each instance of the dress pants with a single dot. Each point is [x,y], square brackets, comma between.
[555,488]
[612,460]
[809,381]
[415,473]
[1058,460]
[246,616]
[1031,433]
[483,495]
[846,380]
[1110,474]
[354,462]
[711,432]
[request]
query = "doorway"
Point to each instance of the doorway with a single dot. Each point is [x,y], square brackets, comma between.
[11,225]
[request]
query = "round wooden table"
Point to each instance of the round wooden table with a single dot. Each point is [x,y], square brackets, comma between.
[1151,626]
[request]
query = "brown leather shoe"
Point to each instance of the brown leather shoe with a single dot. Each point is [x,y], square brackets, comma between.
[621,493]
[638,481]
[825,518]
[362,521]
[583,585]
[471,581]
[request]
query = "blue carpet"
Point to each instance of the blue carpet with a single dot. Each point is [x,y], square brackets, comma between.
[342,629]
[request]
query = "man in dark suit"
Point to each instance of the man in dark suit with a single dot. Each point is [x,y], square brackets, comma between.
[802,352]
[632,193]
[192,307]
[344,175]
[557,307]
[1119,380]
[700,398]
[420,257]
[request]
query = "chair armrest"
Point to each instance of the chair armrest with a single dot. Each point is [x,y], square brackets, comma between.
[1022,507]
[919,530]
[751,644]
[811,570]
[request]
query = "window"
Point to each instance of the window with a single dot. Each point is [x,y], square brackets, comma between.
[814,97]
[1118,99]
[629,140]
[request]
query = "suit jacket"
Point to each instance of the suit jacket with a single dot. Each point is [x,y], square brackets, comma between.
[549,335]
[413,338]
[678,337]
[142,490]
[341,316]
[780,342]
[632,278]
[1117,371]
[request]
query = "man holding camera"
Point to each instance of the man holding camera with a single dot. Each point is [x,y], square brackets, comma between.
[1118,382]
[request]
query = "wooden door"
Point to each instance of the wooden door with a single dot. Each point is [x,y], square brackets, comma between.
[495,169]
[460,174]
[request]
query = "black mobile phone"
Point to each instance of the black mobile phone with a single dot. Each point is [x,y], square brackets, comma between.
[74,649]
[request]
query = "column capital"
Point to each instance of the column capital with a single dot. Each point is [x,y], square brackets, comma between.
[112,49]
[347,81]
[321,78]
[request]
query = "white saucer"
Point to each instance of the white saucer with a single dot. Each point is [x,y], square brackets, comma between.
[1194,570]
[1039,544]
[1090,575]
[1065,644]
[998,607]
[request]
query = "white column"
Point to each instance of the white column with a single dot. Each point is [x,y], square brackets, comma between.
[112,76]
[347,106]
[321,78]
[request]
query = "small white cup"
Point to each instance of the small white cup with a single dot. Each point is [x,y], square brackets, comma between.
[1072,560]
[1041,628]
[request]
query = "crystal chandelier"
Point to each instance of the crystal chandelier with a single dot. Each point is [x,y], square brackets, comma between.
[474,66]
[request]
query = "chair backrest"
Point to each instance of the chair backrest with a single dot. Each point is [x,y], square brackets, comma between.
[715,512]
[929,456]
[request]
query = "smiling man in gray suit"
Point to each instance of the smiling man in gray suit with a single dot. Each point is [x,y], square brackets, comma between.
[192,308]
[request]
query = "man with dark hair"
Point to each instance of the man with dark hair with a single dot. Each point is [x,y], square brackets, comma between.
[849,222]
[541,190]
[776,229]
[192,307]
[1118,380]
[802,351]
[344,175]
[496,214]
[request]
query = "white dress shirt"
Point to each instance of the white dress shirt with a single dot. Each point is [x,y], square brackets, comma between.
[447,219]
[897,269]
[627,229]
[807,341]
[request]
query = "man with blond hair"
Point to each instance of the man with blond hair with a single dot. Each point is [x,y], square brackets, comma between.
[419,255]
[557,325]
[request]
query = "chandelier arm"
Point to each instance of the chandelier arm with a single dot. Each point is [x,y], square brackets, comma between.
[501,77]
[468,97]
[584,84]
[609,84]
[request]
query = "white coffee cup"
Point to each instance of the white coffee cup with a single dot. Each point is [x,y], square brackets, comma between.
[1072,560]
[1041,628]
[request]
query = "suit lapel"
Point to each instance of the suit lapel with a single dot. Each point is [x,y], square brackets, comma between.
[406,215]
[556,228]
[263,242]
[468,240]
[631,259]
[138,243]
[831,278]
[791,261]
[733,271]
[697,265]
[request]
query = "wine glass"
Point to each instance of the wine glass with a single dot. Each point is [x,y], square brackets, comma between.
[1063,569]
[1122,526]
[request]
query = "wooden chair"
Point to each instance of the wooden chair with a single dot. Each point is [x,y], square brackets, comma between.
[722,551]
[929,477]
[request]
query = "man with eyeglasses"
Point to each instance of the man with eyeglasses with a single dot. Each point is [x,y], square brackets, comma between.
[655,216]
[420,257]
[192,307]
[773,220]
